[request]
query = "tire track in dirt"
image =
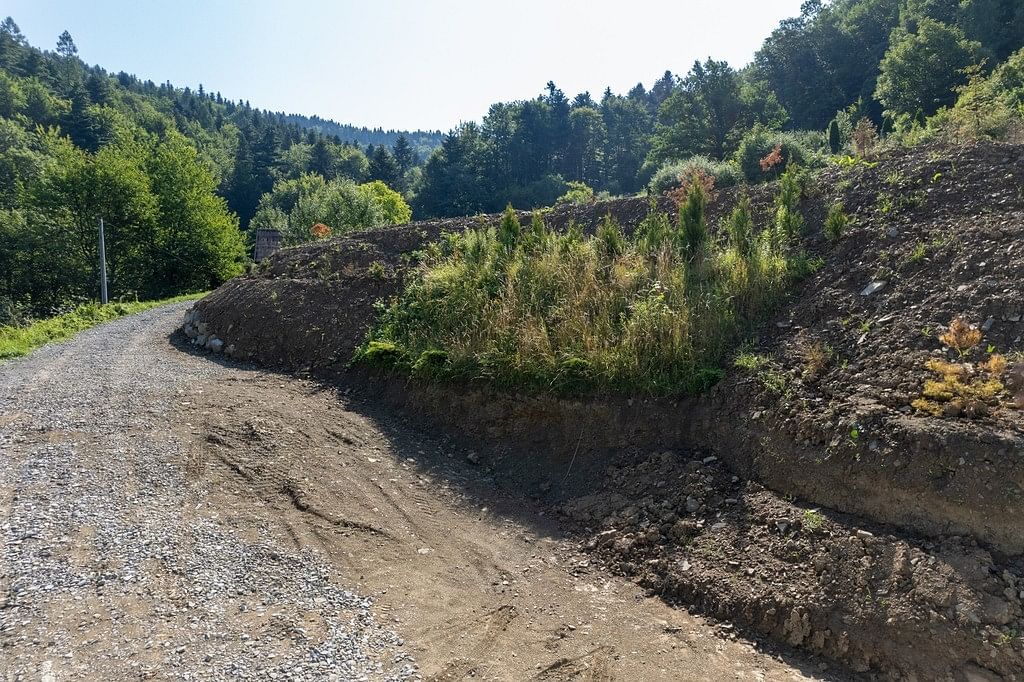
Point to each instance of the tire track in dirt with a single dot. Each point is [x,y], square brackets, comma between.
[481,585]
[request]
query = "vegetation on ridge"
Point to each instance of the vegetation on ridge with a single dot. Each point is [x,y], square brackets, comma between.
[653,312]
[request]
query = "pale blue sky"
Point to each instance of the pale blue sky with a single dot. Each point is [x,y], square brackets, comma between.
[401,63]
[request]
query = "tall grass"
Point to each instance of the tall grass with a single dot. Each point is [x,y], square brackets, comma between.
[526,307]
[20,340]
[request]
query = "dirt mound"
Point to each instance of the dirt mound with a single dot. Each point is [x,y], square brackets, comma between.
[694,533]
[820,410]
[826,411]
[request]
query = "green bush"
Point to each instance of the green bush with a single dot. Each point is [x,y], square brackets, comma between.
[573,374]
[578,193]
[570,313]
[295,206]
[987,107]
[836,222]
[383,354]
[430,364]
[759,144]
[673,175]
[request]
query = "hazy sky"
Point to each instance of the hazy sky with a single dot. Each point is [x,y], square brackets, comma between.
[401,63]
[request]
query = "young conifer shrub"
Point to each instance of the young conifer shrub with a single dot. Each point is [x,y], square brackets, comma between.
[537,236]
[510,230]
[788,221]
[865,137]
[835,138]
[654,230]
[836,221]
[740,227]
[610,240]
[693,228]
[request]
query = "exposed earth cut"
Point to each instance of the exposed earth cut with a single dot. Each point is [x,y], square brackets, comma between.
[805,499]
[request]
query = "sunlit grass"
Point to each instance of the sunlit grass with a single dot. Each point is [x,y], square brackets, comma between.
[18,341]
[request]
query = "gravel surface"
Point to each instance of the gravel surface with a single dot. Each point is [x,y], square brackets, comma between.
[111,566]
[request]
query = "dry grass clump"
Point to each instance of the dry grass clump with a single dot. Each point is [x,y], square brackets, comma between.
[526,307]
[961,336]
[816,357]
[962,388]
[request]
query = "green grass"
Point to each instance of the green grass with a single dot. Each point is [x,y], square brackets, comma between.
[524,307]
[18,341]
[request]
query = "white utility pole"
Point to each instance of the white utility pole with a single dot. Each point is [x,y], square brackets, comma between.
[103,266]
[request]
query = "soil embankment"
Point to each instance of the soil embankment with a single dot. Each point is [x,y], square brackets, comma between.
[922,580]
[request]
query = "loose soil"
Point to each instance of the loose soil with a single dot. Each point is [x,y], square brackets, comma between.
[481,583]
[923,580]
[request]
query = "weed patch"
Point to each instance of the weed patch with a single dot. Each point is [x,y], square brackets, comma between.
[655,312]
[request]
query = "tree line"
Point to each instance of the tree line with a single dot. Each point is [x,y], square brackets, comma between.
[892,63]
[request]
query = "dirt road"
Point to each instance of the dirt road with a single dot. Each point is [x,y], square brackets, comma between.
[165,516]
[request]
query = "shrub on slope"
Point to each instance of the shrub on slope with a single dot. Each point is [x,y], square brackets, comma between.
[525,307]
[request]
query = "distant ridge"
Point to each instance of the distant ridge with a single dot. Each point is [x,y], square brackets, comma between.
[423,141]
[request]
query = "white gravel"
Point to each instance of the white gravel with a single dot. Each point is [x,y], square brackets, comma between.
[110,570]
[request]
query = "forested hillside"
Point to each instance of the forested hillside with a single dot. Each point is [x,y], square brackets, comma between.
[423,142]
[892,62]
[178,174]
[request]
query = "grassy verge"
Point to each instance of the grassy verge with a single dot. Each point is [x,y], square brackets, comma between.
[655,312]
[18,341]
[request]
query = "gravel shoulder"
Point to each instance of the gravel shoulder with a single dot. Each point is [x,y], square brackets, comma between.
[166,516]
[115,568]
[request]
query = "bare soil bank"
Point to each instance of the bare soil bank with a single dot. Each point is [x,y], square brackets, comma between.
[942,228]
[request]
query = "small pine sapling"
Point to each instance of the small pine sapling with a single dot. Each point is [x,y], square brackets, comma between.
[836,222]
[741,227]
[788,220]
[835,138]
[510,230]
[537,236]
[693,228]
[610,239]
[865,137]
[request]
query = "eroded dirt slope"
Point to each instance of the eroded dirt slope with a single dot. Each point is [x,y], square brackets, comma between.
[938,232]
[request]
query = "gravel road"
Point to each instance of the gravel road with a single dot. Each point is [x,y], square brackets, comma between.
[168,516]
[108,569]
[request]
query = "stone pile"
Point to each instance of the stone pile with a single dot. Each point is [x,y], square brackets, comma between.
[200,335]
